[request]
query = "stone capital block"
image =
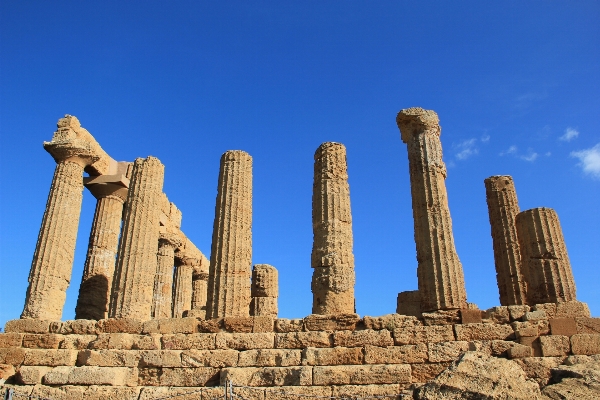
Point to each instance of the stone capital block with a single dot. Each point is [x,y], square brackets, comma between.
[546,264]
[228,293]
[439,271]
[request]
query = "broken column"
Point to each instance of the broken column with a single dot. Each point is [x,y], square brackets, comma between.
[182,285]
[439,271]
[137,262]
[162,302]
[231,251]
[265,291]
[52,263]
[96,282]
[332,257]
[502,208]
[546,265]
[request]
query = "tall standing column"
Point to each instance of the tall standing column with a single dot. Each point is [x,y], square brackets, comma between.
[137,262]
[332,259]
[503,207]
[546,264]
[52,263]
[182,286]
[439,271]
[231,250]
[162,302]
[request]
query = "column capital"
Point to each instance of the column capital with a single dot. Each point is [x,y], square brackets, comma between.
[169,239]
[78,151]
[416,120]
[108,186]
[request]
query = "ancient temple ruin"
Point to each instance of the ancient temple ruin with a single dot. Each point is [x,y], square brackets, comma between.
[157,319]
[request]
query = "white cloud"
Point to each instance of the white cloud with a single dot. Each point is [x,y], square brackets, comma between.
[511,150]
[589,160]
[466,149]
[531,157]
[569,135]
[485,138]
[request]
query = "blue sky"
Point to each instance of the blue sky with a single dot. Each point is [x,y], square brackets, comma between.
[516,86]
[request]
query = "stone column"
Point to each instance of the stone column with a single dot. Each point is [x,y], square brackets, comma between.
[546,265]
[137,261]
[52,263]
[162,302]
[439,271]
[231,250]
[199,288]
[182,287]
[503,208]
[265,290]
[332,259]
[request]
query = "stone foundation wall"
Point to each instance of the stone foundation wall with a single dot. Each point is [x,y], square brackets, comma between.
[341,355]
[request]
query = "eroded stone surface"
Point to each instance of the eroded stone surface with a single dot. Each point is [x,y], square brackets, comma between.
[264,290]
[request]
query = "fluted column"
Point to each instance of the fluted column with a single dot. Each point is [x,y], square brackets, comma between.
[199,289]
[332,258]
[137,261]
[503,207]
[182,286]
[231,250]
[439,271]
[52,263]
[265,291]
[162,301]
[546,264]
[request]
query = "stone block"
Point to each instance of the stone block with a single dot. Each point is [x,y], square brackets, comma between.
[19,390]
[270,358]
[263,324]
[534,343]
[10,340]
[588,325]
[77,342]
[50,357]
[238,324]
[283,325]
[572,309]
[497,315]
[483,332]
[520,351]
[563,326]
[112,393]
[535,315]
[113,376]
[337,322]
[470,316]
[120,325]
[364,337]
[170,325]
[245,341]
[555,345]
[203,341]
[496,348]
[76,327]
[268,376]
[446,351]
[585,344]
[58,393]
[108,358]
[390,392]
[542,326]
[517,312]
[160,358]
[332,356]
[409,303]
[301,340]
[31,375]
[209,358]
[42,341]
[27,326]
[390,322]
[210,325]
[548,308]
[180,393]
[527,331]
[7,371]
[125,341]
[407,354]
[201,376]
[425,372]
[361,374]
[297,392]
[12,356]
[539,368]
[442,317]
[424,334]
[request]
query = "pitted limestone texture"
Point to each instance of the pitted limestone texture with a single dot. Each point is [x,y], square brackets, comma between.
[332,258]
[439,271]
[162,301]
[231,252]
[189,254]
[546,264]
[503,208]
[182,287]
[137,261]
[264,290]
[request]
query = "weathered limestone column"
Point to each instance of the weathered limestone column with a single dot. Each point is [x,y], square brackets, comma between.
[137,261]
[231,251]
[182,287]
[439,271]
[52,263]
[162,302]
[265,290]
[503,207]
[332,259]
[199,289]
[546,265]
